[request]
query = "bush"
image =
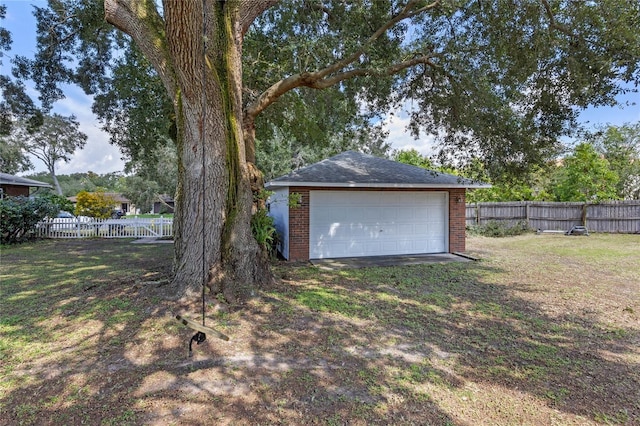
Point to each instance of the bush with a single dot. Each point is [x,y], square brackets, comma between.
[264,231]
[61,201]
[20,215]
[94,204]
[499,229]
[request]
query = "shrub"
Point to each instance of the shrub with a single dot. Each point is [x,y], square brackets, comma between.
[94,204]
[264,231]
[61,201]
[20,215]
[497,229]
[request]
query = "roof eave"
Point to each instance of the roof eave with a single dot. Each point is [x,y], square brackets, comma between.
[283,184]
[25,184]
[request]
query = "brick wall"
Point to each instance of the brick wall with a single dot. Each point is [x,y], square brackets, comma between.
[457,220]
[299,226]
[299,219]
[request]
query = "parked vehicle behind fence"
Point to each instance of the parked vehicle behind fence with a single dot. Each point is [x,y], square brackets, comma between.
[64,220]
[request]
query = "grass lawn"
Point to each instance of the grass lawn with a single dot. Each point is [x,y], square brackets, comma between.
[545,329]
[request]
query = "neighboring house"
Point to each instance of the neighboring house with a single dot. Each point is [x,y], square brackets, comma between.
[167,205]
[355,205]
[120,202]
[14,186]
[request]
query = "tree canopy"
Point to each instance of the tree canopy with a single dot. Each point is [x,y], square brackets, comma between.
[491,80]
[15,104]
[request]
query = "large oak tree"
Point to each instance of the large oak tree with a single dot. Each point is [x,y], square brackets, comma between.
[499,80]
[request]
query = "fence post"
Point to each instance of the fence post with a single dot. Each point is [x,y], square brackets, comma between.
[584,214]
[477,213]
[527,214]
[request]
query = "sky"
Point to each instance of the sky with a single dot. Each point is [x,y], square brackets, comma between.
[101,157]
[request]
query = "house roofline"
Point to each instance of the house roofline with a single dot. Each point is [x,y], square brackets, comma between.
[283,184]
[11,180]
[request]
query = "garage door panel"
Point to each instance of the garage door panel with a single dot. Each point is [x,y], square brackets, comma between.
[407,215]
[372,247]
[406,229]
[357,223]
[420,229]
[386,214]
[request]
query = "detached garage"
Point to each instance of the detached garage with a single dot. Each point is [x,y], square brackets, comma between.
[355,205]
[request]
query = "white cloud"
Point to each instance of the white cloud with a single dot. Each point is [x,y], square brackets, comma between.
[400,137]
[98,155]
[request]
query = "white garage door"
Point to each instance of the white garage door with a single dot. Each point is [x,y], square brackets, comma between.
[368,223]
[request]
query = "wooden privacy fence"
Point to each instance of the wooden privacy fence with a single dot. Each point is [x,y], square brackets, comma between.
[106,228]
[614,216]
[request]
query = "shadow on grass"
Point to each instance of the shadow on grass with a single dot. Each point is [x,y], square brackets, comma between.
[87,337]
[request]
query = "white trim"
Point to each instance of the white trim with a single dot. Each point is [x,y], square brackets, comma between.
[272,184]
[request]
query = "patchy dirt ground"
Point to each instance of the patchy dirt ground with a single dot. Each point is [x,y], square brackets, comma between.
[541,331]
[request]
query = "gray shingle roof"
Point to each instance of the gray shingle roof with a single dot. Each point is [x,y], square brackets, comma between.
[7,179]
[354,169]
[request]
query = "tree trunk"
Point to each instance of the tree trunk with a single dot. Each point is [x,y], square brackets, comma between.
[196,47]
[55,181]
[213,238]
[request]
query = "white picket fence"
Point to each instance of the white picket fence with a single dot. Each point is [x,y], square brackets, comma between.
[134,227]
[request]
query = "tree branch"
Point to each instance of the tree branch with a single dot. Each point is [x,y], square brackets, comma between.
[391,70]
[141,20]
[407,12]
[251,9]
[552,20]
[320,79]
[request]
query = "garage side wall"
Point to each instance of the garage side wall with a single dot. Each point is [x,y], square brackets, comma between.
[457,220]
[278,204]
[299,219]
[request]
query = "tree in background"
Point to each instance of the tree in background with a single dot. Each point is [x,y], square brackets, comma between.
[526,187]
[54,141]
[414,158]
[496,81]
[88,181]
[620,146]
[13,158]
[142,193]
[585,176]
[154,180]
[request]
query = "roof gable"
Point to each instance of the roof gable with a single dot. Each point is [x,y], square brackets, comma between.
[354,169]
